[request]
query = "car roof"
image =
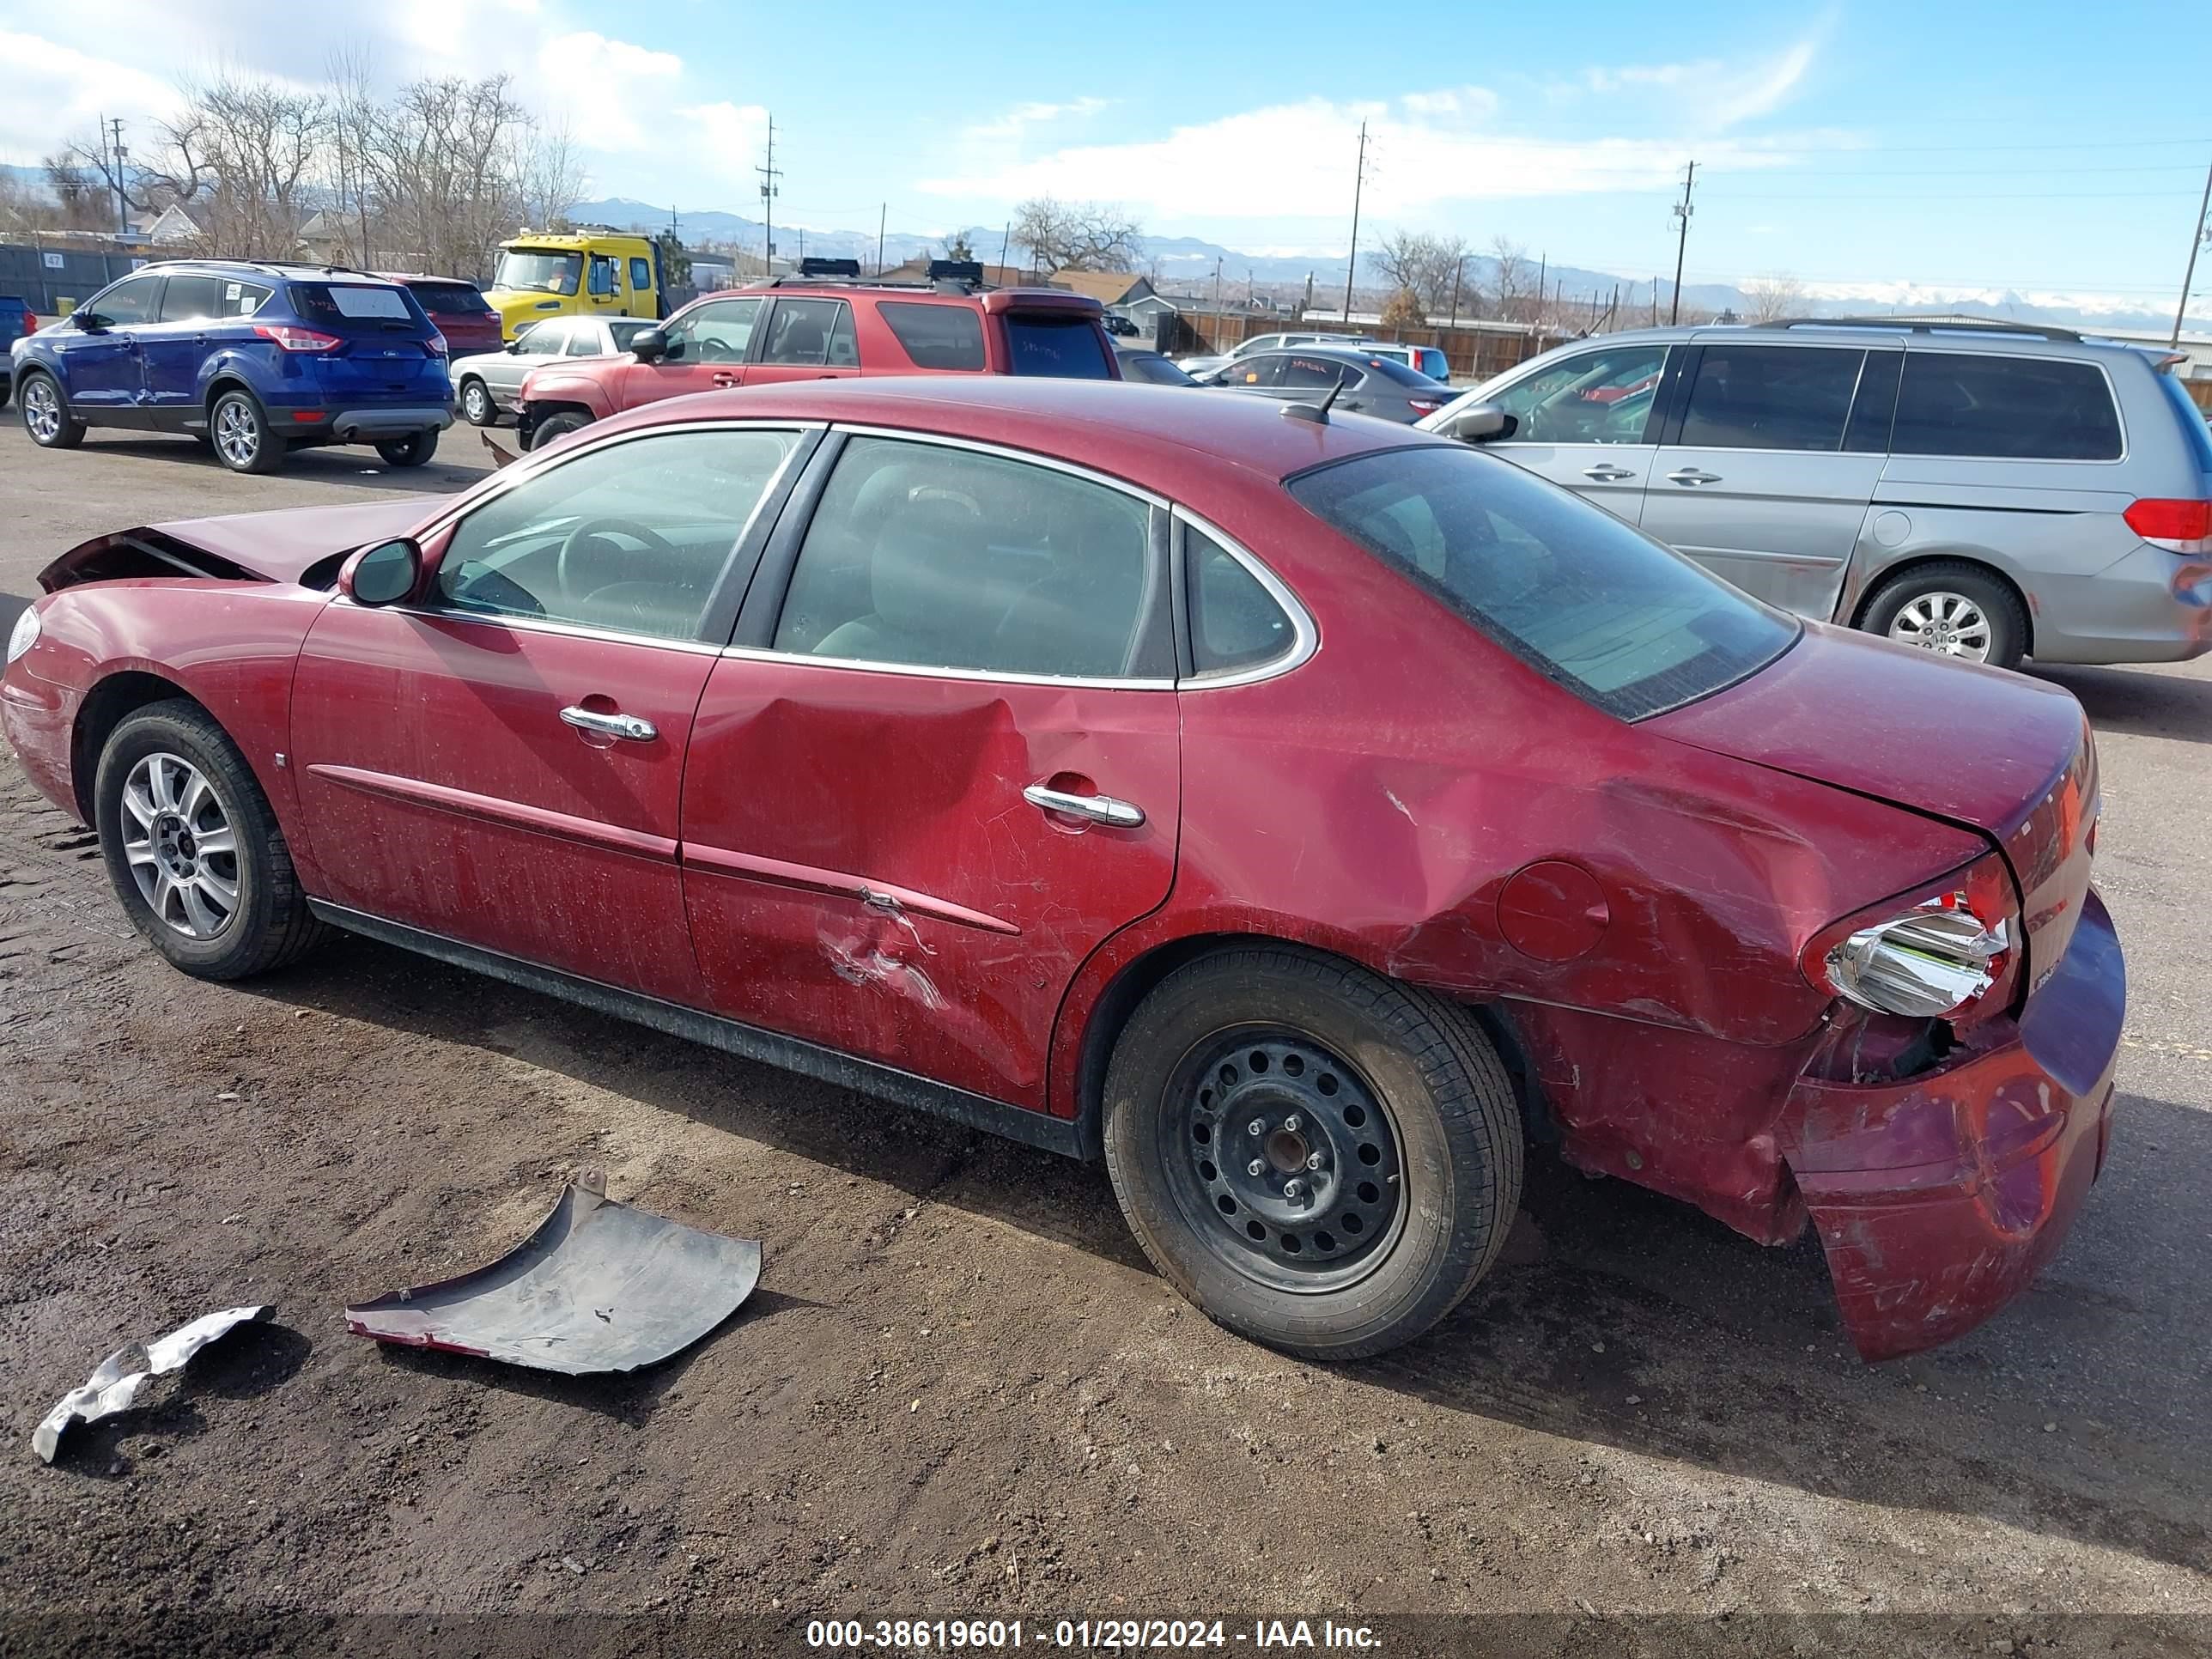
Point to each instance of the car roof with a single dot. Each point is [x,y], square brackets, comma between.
[1148,434]
[1959,334]
[278,268]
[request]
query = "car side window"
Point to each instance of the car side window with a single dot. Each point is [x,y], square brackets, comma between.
[128,302]
[720,331]
[641,275]
[604,277]
[1316,373]
[1764,396]
[630,537]
[191,299]
[1603,396]
[546,339]
[2043,409]
[1253,371]
[936,335]
[936,557]
[584,340]
[813,332]
[1235,622]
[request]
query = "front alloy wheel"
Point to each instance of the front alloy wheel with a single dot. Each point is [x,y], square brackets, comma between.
[180,845]
[47,417]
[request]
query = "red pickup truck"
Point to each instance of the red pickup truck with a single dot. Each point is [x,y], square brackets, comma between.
[816,329]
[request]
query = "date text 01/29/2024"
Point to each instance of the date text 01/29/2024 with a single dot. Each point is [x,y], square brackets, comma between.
[1124,1635]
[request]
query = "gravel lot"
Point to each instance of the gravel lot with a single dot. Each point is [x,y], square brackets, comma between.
[960,1390]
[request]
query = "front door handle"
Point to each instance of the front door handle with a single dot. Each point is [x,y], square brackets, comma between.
[1606,472]
[723,379]
[1690,475]
[611,726]
[1099,809]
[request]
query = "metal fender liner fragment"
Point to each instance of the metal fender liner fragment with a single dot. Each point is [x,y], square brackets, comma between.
[599,1287]
[113,1385]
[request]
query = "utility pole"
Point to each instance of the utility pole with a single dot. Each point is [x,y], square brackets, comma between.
[1459,269]
[770,188]
[1004,237]
[113,130]
[1358,179]
[1682,212]
[1655,300]
[1217,291]
[2195,241]
[883,214]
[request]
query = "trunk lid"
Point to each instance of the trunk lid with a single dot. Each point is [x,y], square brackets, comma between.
[1997,752]
[276,547]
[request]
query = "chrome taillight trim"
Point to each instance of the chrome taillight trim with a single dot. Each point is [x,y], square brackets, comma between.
[1930,961]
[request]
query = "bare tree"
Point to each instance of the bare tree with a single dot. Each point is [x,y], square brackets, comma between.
[1517,299]
[1077,235]
[1433,269]
[1771,299]
[552,177]
[443,159]
[1403,310]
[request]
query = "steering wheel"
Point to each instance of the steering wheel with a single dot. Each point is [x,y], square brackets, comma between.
[568,564]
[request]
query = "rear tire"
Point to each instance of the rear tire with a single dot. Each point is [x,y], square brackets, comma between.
[238,428]
[555,426]
[413,450]
[1382,1177]
[46,414]
[193,849]
[476,406]
[1959,609]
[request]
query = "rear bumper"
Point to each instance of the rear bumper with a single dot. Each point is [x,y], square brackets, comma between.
[362,425]
[2148,606]
[1939,1199]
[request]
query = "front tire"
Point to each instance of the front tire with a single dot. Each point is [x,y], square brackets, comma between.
[476,406]
[413,450]
[46,414]
[1952,607]
[192,848]
[1323,1160]
[240,432]
[555,426]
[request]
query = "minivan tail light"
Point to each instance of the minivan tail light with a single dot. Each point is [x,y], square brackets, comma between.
[292,338]
[1947,951]
[2179,526]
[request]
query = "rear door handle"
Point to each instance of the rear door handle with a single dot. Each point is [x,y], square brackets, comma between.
[1606,472]
[723,379]
[611,725]
[1690,475]
[1099,809]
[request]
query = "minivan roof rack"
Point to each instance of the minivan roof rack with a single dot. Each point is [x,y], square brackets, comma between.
[1928,325]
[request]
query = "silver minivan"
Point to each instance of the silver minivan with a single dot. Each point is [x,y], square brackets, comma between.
[1991,491]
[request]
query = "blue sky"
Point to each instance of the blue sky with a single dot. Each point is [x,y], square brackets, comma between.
[1966,146]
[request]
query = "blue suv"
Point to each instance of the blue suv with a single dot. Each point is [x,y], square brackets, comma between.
[252,360]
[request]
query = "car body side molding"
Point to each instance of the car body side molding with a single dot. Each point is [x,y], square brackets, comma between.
[513,814]
[1051,1135]
[879,894]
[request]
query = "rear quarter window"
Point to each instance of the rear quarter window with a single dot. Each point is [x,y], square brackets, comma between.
[1986,406]
[936,337]
[455,299]
[1069,347]
[1591,603]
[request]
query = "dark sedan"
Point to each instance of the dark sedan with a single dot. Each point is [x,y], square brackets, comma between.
[1370,385]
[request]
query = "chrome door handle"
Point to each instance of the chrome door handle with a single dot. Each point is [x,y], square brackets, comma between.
[1606,472]
[1099,809]
[611,725]
[1690,475]
[723,379]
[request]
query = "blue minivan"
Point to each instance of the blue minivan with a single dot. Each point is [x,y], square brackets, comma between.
[250,359]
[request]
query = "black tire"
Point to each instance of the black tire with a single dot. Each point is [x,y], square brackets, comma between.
[68,431]
[243,442]
[2000,608]
[555,426]
[269,924]
[477,407]
[1186,1084]
[413,450]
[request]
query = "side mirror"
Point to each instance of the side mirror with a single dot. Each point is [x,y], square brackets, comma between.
[90,321]
[514,347]
[648,344]
[383,575]
[1483,423]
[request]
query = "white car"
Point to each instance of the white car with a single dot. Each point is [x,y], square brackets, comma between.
[1196,366]
[488,384]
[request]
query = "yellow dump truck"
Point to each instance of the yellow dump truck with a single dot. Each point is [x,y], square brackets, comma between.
[593,270]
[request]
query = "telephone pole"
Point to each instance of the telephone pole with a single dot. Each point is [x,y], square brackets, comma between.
[883,214]
[1682,212]
[2195,241]
[112,131]
[1358,179]
[770,187]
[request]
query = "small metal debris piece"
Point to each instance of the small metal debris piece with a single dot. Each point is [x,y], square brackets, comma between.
[600,1287]
[114,1384]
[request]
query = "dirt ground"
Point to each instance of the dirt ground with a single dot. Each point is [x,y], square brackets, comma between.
[960,1391]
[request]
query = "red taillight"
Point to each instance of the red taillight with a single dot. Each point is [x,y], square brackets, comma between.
[30,325]
[292,338]
[1426,405]
[1948,951]
[2179,526]
[437,343]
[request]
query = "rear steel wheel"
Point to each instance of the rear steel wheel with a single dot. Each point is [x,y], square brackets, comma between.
[1953,608]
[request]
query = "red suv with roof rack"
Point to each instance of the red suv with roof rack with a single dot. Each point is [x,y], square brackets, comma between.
[810,328]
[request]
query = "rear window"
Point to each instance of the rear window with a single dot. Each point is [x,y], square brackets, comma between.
[455,299]
[2026,409]
[1397,373]
[1593,604]
[1070,347]
[339,303]
[936,337]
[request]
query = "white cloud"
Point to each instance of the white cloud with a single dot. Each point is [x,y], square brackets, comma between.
[1709,94]
[617,89]
[726,139]
[51,94]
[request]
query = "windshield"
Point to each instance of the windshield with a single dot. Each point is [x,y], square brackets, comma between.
[543,271]
[1602,609]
